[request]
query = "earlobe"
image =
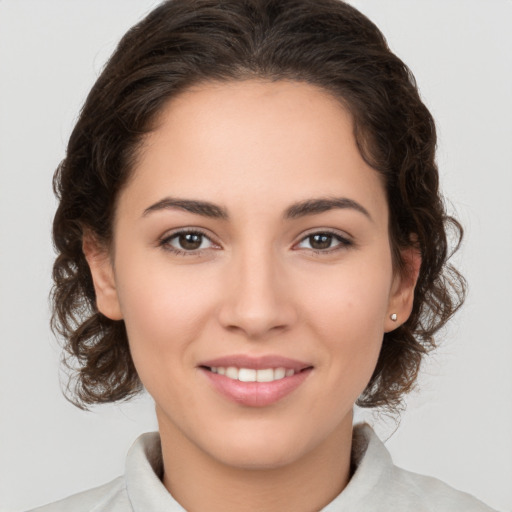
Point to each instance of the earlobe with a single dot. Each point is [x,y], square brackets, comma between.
[401,299]
[107,301]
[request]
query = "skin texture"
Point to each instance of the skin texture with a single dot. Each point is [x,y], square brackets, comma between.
[256,286]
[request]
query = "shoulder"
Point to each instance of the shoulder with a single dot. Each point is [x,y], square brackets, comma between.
[430,494]
[111,497]
[377,485]
[140,488]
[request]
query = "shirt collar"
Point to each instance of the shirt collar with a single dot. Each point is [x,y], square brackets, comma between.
[144,469]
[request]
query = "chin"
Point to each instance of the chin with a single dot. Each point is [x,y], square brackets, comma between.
[258,457]
[253,449]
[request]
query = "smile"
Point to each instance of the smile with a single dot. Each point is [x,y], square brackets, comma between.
[252,375]
[255,381]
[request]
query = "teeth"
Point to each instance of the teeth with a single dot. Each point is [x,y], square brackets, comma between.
[247,375]
[264,375]
[251,375]
[232,372]
[279,373]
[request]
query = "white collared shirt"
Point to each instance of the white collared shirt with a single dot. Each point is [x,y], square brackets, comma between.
[376,486]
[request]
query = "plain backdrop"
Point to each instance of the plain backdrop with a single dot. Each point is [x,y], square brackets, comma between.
[457,426]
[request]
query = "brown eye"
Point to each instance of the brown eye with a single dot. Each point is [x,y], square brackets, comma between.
[187,242]
[190,241]
[320,241]
[324,242]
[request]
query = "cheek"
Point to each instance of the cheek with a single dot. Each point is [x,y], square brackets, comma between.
[164,309]
[351,300]
[347,311]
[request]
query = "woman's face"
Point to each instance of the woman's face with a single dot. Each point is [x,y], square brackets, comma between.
[252,244]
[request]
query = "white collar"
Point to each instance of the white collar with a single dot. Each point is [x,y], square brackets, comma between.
[146,492]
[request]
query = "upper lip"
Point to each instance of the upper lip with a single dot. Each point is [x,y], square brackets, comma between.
[256,362]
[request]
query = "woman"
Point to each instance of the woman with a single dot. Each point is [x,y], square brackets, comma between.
[250,227]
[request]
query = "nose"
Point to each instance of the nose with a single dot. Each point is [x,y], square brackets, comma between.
[258,299]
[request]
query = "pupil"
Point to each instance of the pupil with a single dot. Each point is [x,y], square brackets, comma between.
[321,241]
[190,241]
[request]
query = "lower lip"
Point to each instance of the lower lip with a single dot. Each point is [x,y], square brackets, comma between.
[256,394]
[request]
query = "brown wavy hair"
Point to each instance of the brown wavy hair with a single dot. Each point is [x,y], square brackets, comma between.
[182,43]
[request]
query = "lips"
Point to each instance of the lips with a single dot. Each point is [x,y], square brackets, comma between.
[255,382]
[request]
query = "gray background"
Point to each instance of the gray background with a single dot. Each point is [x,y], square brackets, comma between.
[457,427]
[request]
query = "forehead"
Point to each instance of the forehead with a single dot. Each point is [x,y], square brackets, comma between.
[270,143]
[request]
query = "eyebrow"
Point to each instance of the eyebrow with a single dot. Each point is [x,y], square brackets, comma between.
[204,208]
[295,211]
[323,204]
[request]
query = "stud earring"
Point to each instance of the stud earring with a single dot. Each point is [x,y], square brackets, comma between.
[393,317]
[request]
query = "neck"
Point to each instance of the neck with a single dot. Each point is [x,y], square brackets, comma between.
[201,482]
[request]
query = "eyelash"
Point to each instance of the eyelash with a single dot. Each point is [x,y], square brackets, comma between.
[344,243]
[165,242]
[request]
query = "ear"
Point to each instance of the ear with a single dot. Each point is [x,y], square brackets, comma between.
[103,277]
[401,298]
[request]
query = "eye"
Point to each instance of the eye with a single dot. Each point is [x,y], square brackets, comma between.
[324,242]
[186,242]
